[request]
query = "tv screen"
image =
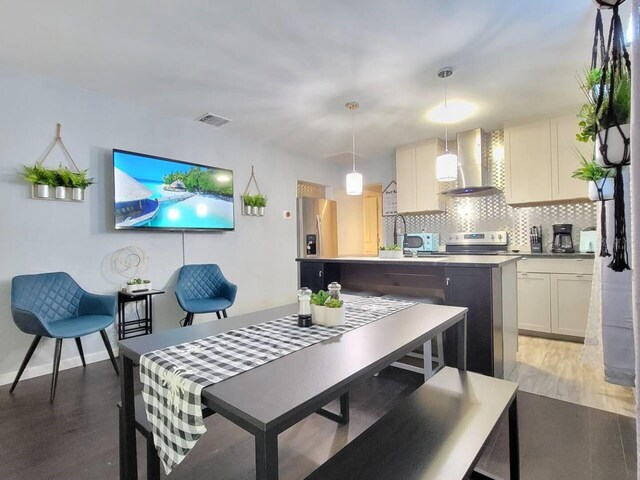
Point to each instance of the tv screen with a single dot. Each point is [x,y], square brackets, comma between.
[162,194]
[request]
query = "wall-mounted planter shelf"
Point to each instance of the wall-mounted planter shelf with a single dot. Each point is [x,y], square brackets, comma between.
[63,194]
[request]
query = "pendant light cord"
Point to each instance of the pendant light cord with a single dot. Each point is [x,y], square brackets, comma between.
[446,127]
[353,137]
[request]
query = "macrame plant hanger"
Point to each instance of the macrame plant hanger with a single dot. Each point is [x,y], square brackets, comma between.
[252,178]
[614,58]
[58,141]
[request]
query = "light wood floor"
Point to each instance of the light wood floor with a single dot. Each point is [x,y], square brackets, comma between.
[553,368]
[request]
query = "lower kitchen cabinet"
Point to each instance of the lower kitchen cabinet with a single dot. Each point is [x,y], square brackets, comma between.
[318,275]
[534,301]
[554,296]
[570,299]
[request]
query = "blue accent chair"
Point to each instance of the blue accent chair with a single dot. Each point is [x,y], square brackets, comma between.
[203,289]
[53,305]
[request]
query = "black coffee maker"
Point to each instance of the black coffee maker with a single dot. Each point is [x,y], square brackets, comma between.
[562,241]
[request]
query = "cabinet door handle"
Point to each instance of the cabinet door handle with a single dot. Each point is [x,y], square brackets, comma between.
[524,273]
[579,259]
[579,276]
[448,281]
[320,273]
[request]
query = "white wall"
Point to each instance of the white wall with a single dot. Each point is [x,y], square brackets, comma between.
[41,236]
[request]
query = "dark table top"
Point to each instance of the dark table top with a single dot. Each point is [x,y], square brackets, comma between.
[267,396]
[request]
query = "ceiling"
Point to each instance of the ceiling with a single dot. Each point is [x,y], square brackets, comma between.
[282,70]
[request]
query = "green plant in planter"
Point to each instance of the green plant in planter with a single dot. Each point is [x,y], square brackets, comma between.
[393,248]
[138,281]
[260,200]
[618,103]
[334,303]
[590,171]
[80,180]
[319,298]
[39,175]
[382,248]
[249,200]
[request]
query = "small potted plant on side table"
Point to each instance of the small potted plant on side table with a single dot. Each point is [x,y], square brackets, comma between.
[334,313]
[391,251]
[138,285]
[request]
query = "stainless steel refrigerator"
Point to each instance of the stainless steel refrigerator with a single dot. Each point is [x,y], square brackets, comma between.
[317,228]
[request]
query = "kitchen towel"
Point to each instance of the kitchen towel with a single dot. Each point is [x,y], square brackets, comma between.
[173,377]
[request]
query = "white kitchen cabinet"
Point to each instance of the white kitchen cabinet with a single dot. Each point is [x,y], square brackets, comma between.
[570,298]
[534,302]
[527,151]
[416,177]
[539,160]
[554,295]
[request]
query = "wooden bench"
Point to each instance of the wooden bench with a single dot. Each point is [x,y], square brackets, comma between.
[437,433]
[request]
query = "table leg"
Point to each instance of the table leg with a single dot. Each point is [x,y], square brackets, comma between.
[461,343]
[428,362]
[514,442]
[128,454]
[267,456]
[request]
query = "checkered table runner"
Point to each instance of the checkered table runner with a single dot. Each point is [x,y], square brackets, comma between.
[173,378]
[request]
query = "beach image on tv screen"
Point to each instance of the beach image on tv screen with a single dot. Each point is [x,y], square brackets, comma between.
[156,193]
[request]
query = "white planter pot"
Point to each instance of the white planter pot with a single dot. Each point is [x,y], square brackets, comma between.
[391,254]
[142,287]
[607,189]
[77,194]
[40,191]
[248,210]
[261,211]
[334,316]
[317,314]
[615,145]
[61,193]
[255,210]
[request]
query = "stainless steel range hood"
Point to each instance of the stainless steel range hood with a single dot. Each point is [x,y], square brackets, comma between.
[474,177]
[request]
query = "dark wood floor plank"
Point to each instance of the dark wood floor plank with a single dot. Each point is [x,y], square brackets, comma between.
[76,438]
[606,449]
[628,433]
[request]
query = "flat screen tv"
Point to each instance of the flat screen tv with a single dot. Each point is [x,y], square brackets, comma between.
[155,193]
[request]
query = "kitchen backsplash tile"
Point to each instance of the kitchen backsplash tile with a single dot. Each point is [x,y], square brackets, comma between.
[493,213]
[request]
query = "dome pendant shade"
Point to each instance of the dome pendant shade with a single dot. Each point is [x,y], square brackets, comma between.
[447,167]
[354,183]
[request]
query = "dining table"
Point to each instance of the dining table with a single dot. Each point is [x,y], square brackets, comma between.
[272,397]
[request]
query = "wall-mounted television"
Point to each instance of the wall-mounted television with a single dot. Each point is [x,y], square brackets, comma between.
[155,193]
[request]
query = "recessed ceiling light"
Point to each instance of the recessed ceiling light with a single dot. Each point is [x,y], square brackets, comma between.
[455,111]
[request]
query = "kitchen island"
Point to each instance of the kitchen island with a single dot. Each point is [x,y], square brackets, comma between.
[485,284]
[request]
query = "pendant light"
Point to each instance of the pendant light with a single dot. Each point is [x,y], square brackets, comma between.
[447,163]
[354,179]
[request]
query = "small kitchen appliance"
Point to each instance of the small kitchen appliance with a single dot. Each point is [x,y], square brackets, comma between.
[588,240]
[562,241]
[420,243]
[477,243]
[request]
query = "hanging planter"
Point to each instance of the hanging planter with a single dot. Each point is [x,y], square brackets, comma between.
[253,205]
[59,184]
[601,190]
[617,145]
[605,118]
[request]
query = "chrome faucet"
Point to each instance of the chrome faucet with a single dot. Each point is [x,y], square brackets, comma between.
[395,228]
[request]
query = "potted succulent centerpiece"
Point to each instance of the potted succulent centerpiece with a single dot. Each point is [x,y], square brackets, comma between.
[599,178]
[334,313]
[317,306]
[138,285]
[391,251]
[611,118]
[42,179]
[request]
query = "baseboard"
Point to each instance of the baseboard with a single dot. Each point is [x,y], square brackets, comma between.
[65,364]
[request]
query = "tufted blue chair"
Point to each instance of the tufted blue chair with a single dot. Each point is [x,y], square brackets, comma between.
[203,289]
[53,305]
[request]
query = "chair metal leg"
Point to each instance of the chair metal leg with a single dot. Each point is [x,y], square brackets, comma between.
[56,367]
[224,313]
[188,320]
[107,345]
[27,357]
[79,345]
[218,315]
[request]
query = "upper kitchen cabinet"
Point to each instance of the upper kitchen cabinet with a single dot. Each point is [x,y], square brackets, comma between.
[539,159]
[416,177]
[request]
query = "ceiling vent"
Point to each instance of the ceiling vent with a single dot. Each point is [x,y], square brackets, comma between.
[211,119]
